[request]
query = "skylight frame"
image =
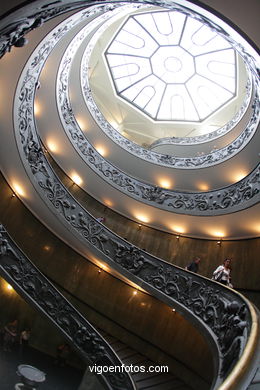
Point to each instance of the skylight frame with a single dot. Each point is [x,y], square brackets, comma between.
[154,115]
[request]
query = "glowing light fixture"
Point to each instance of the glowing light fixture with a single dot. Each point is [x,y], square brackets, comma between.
[256,228]
[114,124]
[203,186]
[178,229]
[165,183]
[239,175]
[108,202]
[103,267]
[9,287]
[52,145]
[18,189]
[37,109]
[76,179]
[82,123]
[218,234]
[142,218]
[101,150]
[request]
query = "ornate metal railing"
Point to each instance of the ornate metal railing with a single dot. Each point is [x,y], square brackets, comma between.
[37,290]
[220,201]
[225,317]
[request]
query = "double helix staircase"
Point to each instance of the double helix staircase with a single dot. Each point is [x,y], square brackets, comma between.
[228,320]
[235,323]
[95,346]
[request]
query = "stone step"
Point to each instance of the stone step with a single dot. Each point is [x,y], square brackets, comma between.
[144,380]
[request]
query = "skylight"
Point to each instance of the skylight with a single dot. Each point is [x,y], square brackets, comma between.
[171,66]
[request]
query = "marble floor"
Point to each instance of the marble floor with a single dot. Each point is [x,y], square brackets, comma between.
[57,378]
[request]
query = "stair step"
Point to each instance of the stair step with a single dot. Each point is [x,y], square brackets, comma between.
[169,385]
[140,376]
[157,382]
[254,386]
[110,339]
[126,353]
[135,359]
[144,380]
[117,346]
[257,377]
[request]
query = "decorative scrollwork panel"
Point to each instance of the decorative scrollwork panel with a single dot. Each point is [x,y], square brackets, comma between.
[36,289]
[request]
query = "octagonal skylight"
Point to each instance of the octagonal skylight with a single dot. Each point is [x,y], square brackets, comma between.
[171,66]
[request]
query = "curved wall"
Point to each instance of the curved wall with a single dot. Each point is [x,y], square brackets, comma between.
[107,301]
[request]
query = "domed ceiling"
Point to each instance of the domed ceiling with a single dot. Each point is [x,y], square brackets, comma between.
[152,110]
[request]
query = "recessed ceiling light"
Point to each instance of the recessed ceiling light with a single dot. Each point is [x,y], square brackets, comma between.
[52,145]
[18,189]
[76,179]
[142,217]
[203,186]
[101,150]
[165,183]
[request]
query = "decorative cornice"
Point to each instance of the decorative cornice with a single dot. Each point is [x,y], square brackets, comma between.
[226,200]
[37,289]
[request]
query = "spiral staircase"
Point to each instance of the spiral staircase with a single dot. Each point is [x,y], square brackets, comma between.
[66,131]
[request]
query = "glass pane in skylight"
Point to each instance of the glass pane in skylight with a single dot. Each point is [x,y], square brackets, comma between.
[127,70]
[146,94]
[171,66]
[134,40]
[207,96]
[199,39]
[219,67]
[177,105]
[165,27]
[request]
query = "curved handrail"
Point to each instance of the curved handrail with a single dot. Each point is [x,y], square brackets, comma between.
[22,274]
